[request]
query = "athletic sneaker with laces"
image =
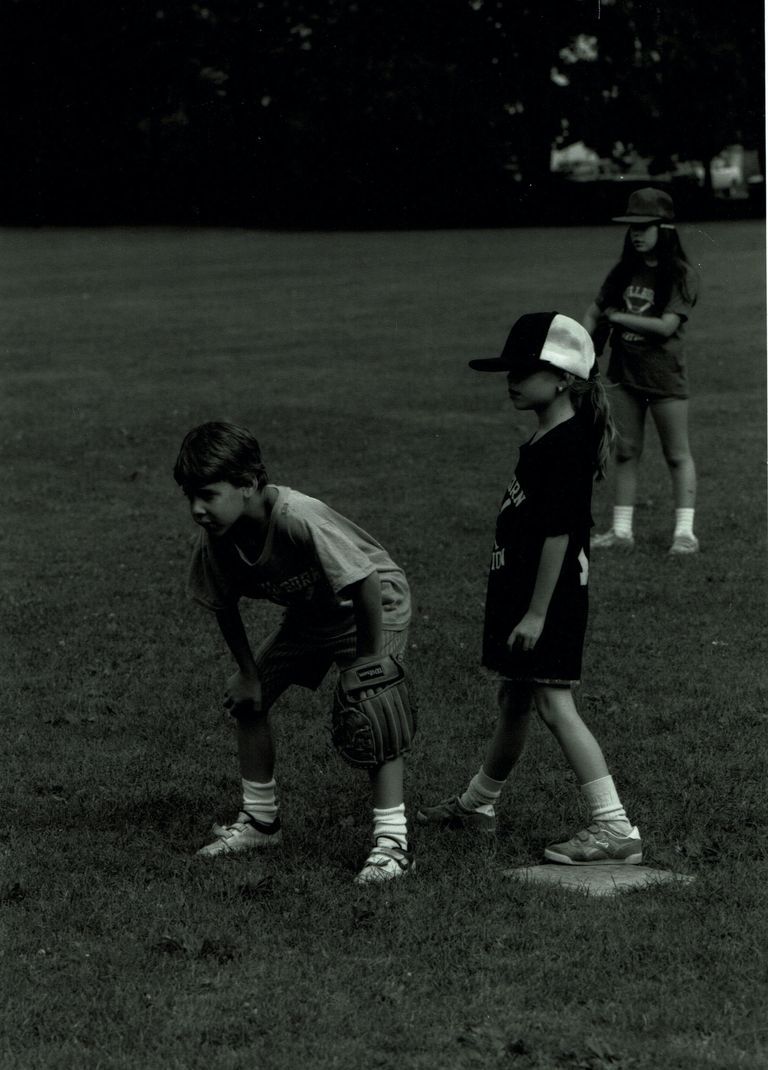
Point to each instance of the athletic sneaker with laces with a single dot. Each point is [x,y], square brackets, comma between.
[612,540]
[385,863]
[451,814]
[244,834]
[598,846]
[684,544]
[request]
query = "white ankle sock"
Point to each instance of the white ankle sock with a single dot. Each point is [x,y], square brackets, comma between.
[259,800]
[605,805]
[622,519]
[392,824]
[683,522]
[482,792]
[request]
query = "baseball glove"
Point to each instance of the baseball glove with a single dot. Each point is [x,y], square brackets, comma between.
[375,729]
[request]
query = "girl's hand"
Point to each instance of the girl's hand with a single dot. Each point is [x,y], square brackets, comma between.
[240,688]
[526,633]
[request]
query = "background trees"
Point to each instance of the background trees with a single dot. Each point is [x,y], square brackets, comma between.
[353,111]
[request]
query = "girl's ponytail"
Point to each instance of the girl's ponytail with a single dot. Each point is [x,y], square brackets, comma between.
[594,409]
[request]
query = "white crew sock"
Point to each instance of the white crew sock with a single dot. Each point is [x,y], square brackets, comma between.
[482,792]
[392,824]
[605,805]
[683,522]
[259,800]
[622,519]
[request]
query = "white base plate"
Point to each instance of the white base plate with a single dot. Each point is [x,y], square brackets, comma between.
[597,880]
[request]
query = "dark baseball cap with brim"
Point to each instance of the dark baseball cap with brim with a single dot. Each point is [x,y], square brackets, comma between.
[647,205]
[541,340]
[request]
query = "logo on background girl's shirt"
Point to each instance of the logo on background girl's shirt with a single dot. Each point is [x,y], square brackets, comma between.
[639,301]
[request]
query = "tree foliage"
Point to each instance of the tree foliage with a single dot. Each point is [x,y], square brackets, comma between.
[351,111]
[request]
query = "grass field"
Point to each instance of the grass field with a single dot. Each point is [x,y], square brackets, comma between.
[347,355]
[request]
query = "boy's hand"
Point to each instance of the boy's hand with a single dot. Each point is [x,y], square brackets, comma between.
[242,688]
[363,659]
[526,633]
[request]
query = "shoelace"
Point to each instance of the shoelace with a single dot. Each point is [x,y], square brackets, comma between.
[381,856]
[236,826]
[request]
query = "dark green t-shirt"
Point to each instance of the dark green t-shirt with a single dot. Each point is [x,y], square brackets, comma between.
[649,362]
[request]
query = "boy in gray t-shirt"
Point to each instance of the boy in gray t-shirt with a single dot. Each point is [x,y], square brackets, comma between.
[345,601]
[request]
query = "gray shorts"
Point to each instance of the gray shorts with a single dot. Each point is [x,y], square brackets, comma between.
[286,657]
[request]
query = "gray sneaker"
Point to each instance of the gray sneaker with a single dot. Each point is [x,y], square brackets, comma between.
[611,540]
[684,544]
[451,814]
[597,846]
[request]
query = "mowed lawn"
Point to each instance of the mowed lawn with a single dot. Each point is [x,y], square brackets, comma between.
[346,354]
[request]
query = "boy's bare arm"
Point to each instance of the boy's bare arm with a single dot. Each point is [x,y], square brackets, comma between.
[244,685]
[233,630]
[366,599]
[528,630]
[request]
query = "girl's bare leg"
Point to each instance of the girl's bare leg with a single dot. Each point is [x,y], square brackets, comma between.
[557,710]
[508,741]
[629,414]
[671,418]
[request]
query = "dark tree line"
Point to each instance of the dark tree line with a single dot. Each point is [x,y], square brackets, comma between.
[352,111]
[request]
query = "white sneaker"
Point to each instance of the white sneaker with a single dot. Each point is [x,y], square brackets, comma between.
[384,864]
[611,539]
[684,544]
[244,834]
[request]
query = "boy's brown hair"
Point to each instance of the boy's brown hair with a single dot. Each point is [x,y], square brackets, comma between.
[219,452]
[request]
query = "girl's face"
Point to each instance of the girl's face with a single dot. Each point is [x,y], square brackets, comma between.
[536,392]
[644,237]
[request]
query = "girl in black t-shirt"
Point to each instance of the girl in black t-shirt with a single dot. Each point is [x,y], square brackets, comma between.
[644,303]
[536,604]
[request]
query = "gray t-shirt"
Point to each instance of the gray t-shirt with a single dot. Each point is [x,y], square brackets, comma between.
[311,554]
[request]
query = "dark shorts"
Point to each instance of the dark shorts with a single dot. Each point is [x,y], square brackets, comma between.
[644,399]
[651,378]
[286,658]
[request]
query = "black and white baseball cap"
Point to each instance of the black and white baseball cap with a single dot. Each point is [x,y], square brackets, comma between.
[541,339]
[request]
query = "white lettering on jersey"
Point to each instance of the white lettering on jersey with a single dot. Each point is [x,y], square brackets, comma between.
[584,569]
[515,495]
[277,590]
[497,558]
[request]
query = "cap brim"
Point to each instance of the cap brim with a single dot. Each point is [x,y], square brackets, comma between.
[637,219]
[489,364]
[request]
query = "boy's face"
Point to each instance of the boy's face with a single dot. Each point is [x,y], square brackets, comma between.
[217,506]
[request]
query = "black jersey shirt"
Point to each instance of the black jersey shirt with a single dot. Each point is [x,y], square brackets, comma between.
[550,494]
